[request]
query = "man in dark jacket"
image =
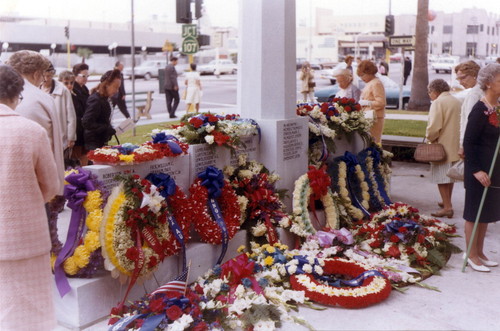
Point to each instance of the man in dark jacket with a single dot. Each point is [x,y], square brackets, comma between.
[407,69]
[171,87]
[119,98]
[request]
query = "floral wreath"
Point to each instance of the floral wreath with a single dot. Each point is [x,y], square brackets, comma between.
[135,233]
[314,185]
[262,207]
[161,146]
[373,287]
[85,198]
[400,232]
[210,185]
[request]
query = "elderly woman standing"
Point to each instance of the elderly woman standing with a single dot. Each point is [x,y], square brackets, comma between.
[347,88]
[37,105]
[373,97]
[308,84]
[443,128]
[480,140]
[29,179]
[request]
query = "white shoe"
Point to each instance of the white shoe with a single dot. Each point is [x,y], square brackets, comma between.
[481,268]
[489,263]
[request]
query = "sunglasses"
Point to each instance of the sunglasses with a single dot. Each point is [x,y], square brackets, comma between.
[82,75]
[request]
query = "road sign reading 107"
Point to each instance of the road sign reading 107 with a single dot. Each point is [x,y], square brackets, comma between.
[402,41]
[190,45]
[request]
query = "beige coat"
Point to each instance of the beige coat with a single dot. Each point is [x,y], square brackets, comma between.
[29,180]
[375,93]
[444,125]
[39,107]
[306,78]
[66,112]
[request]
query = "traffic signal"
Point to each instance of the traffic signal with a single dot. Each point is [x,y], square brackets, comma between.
[66,32]
[203,40]
[183,11]
[197,8]
[389,25]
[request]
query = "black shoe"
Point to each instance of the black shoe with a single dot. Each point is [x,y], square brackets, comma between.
[173,116]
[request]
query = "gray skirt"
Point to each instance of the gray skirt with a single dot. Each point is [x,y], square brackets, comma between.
[438,173]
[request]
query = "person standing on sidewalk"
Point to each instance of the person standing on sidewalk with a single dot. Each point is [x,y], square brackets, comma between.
[118,99]
[480,142]
[80,95]
[308,83]
[443,128]
[406,69]
[171,87]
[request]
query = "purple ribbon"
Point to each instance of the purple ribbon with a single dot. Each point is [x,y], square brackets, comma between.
[75,192]
[326,238]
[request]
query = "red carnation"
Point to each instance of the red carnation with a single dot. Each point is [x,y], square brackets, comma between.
[157,305]
[394,251]
[113,320]
[324,107]
[132,253]
[420,238]
[403,229]
[174,312]
[375,244]
[196,122]
[220,138]
[347,108]
[139,322]
[202,326]
[357,106]
[394,238]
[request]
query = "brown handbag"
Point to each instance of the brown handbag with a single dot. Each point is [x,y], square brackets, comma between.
[429,153]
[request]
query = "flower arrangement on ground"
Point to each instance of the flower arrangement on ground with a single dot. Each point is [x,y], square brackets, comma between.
[212,129]
[400,232]
[309,188]
[161,146]
[262,208]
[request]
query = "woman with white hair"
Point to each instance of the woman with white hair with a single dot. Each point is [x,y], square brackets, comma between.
[347,88]
[480,141]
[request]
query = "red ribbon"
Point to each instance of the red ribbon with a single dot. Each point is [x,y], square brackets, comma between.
[138,265]
[153,241]
[237,269]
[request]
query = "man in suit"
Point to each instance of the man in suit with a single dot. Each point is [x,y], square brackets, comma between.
[118,99]
[171,87]
[406,69]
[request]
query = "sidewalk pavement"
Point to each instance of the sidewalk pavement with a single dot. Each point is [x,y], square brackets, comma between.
[465,301]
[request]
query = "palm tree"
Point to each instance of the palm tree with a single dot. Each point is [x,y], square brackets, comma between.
[419,99]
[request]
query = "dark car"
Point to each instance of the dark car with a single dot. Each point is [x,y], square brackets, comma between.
[391,92]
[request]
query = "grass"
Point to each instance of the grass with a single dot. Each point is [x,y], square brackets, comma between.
[408,128]
[406,112]
[141,133]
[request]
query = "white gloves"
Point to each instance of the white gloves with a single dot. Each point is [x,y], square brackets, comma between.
[365,103]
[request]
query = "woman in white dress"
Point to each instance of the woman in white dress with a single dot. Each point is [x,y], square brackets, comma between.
[193,88]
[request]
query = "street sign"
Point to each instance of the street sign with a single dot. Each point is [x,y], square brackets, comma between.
[190,45]
[189,30]
[402,41]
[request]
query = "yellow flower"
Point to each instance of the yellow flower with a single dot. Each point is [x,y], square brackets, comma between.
[93,200]
[241,248]
[270,249]
[91,241]
[53,258]
[81,256]
[70,266]
[67,173]
[126,158]
[94,220]
[269,260]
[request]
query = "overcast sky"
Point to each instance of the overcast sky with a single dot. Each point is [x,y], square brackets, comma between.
[221,12]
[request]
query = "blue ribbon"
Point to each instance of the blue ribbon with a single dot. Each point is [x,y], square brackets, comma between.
[170,140]
[165,184]
[375,203]
[394,226]
[351,162]
[355,282]
[126,148]
[176,230]
[213,179]
[152,322]
[214,206]
[302,261]
[324,149]
[121,325]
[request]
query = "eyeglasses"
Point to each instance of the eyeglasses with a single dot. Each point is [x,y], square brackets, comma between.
[82,75]
[462,77]
[68,83]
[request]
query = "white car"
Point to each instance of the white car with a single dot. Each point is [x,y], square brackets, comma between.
[148,69]
[446,64]
[218,67]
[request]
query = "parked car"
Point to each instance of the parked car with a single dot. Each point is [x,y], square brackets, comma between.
[314,65]
[329,73]
[391,92]
[223,66]
[445,64]
[148,69]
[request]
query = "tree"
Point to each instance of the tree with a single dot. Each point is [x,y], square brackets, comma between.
[419,99]
[84,52]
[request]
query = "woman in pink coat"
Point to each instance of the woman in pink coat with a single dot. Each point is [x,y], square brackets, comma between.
[29,180]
